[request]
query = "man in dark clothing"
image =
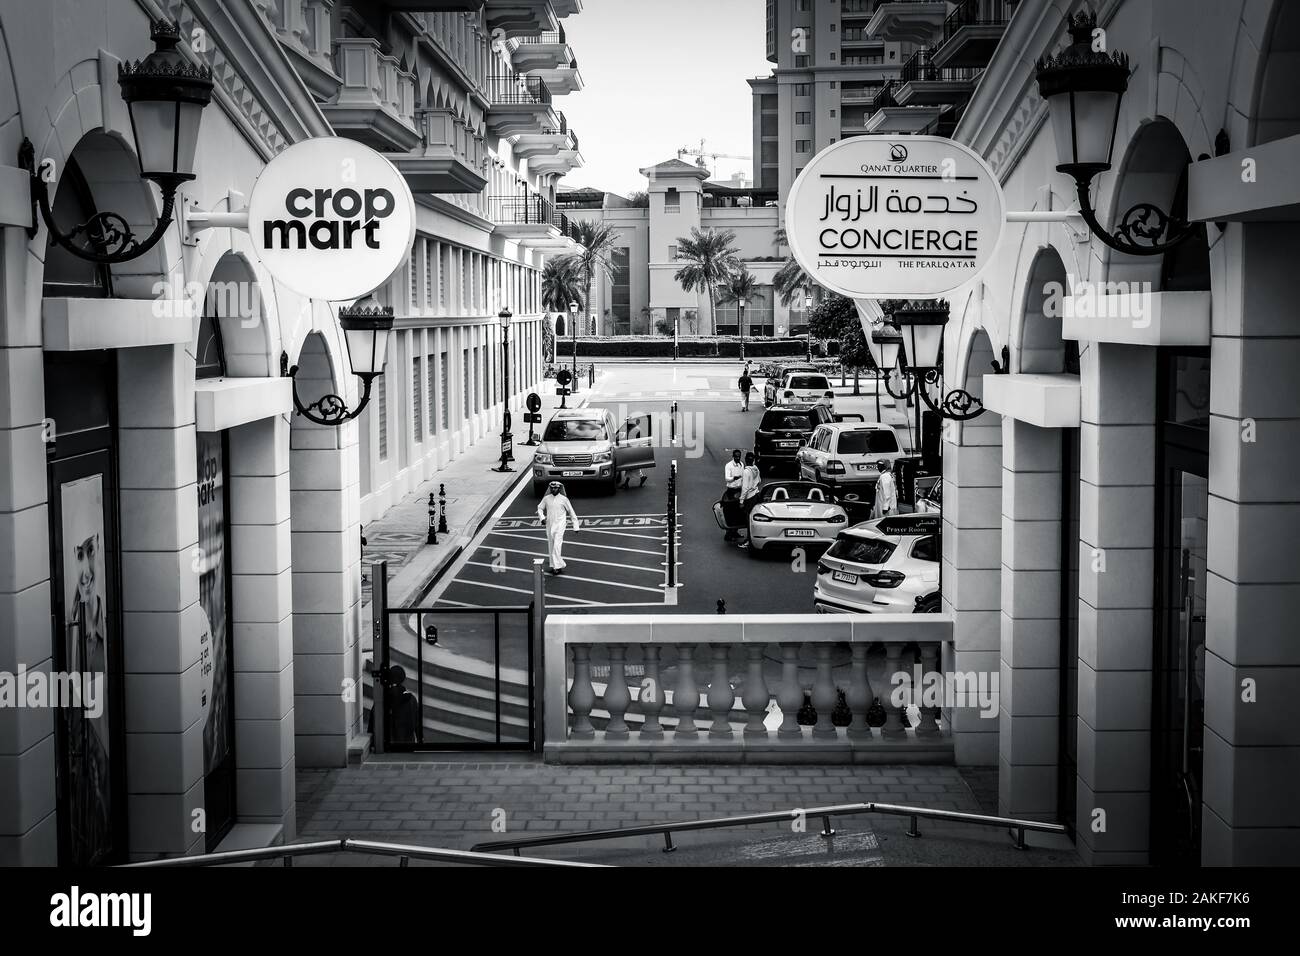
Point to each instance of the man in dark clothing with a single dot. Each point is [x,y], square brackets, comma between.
[746,383]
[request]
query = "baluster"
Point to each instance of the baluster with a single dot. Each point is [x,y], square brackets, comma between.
[617,697]
[652,695]
[755,696]
[896,722]
[790,694]
[859,693]
[721,694]
[823,693]
[582,696]
[928,726]
[686,696]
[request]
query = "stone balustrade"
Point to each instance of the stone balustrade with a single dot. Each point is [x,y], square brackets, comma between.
[740,688]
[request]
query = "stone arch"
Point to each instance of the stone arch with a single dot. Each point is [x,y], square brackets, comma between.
[232,296]
[1036,343]
[1275,112]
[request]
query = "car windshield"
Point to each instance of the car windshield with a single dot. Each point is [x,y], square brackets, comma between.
[574,429]
[799,421]
[861,550]
[867,442]
[807,382]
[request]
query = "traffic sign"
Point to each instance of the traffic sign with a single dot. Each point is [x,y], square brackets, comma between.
[534,402]
[564,376]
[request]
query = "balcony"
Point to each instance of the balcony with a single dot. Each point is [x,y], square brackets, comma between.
[521,17]
[519,104]
[886,115]
[762,688]
[972,32]
[303,29]
[551,150]
[546,51]
[566,8]
[921,83]
[530,221]
[375,102]
[450,159]
[434,6]
[561,79]
[910,21]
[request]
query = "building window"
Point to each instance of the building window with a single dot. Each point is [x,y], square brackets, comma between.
[802,118]
[802,60]
[833,57]
[465,396]
[797,172]
[802,89]
[431,370]
[487,376]
[803,146]
[414,262]
[443,387]
[672,253]
[417,400]
[805,6]
[621,290]
[832,139]
[381,410]
[832,111]
[834,27]
[672,201]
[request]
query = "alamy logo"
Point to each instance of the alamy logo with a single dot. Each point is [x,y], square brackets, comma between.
[329,219]
[39,689]
[960,689]
[76,909]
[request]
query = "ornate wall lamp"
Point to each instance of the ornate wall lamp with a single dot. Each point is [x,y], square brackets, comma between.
[912,345]
[165,95]
[365,326]
[1084,87]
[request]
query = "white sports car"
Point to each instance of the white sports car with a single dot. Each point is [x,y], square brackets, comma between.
[795,513]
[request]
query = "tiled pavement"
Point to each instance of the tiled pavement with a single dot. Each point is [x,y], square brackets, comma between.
[452,804]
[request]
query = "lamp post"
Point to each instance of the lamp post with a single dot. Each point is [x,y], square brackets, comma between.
[365,326]
[1084,87]
[807,330]
[741,303]
[912,344]
[507,449]
[165,96]
[573,328]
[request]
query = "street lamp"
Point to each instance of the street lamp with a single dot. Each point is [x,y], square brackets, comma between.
[807,331]
[741,302]
[913,344]
[1084,87]
[507,450]
[165,96]
[573,323]
[365,326]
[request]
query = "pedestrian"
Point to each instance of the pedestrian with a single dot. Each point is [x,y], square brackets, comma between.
[886,491]
[556,510]
[746,383]
[788,397]
[828,399]
[733,476]
[751,483]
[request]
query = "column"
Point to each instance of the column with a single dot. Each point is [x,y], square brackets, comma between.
[1030,622]
[1116,587]
[262,622]
[162,619]
[1251,810]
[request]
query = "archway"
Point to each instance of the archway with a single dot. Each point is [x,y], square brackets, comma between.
[1278,108]
[1037,347]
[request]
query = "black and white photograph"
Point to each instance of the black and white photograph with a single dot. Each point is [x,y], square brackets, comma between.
[504,435]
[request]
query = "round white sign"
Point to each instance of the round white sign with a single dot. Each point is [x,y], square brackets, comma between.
[331,218]
[910,217]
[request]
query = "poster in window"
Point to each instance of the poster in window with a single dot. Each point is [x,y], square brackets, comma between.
[213,597]
[86,636]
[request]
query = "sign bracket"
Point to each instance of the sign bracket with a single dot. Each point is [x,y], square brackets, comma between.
[195,220]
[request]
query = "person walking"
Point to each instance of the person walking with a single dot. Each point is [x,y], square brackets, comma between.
[556,510]
[886,491]
[733,475]
[746,384]
[751,482]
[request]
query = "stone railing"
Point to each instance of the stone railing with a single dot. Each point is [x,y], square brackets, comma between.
[372,78]
[760,688]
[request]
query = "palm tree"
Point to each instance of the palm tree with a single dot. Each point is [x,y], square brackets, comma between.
[739,287]
[561,283]
[597,240]
[710,256]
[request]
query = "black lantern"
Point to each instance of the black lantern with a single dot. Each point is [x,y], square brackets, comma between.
[165,95]
[913,343]
[507,444]
[1084,86]
[365,326]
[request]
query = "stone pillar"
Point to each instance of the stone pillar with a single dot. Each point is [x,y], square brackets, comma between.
[1251,813]
[162,618]
[1116,587]
[262,623]
[1029,681]
[972,566]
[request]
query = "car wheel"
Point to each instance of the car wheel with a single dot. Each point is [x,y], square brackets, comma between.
[539,489]
[927,605]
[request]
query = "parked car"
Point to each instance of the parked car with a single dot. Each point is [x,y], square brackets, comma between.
[845,456]
[794,513]
[772,388]
[584,445]
[808,387]
[781,431]
[929,494]
[886,566]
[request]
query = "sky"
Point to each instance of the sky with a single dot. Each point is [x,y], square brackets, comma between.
[660,75]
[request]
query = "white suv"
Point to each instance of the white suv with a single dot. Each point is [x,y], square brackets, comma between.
[886,566]
[844,455]
[584,445]
[808,388]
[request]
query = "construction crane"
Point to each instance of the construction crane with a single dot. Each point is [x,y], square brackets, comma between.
[701,153]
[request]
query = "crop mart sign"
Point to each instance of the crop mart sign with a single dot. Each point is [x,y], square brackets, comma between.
[331,218]
[910,217]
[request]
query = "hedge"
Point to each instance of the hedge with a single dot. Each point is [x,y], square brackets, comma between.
[687,348]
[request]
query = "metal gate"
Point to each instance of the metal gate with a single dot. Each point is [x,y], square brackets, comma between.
[451,678]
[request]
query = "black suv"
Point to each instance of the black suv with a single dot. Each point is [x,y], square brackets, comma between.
[782,430]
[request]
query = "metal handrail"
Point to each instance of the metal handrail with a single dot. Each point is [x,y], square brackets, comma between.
[405,853]
[776,816]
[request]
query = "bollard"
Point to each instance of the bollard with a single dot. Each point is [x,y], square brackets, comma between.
[591,375]
[722,606]
[671,530]
[442,509]
[672,424]
[433,521]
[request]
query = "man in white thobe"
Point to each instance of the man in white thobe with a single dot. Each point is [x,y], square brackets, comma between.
[556,511]
[886,491]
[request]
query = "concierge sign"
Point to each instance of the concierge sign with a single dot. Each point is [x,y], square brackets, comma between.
[908,217]
[331,218]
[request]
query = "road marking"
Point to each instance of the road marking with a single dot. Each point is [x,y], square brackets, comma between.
[583,544]
[657,536]
[607,564]
[574,577]
[503,587]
